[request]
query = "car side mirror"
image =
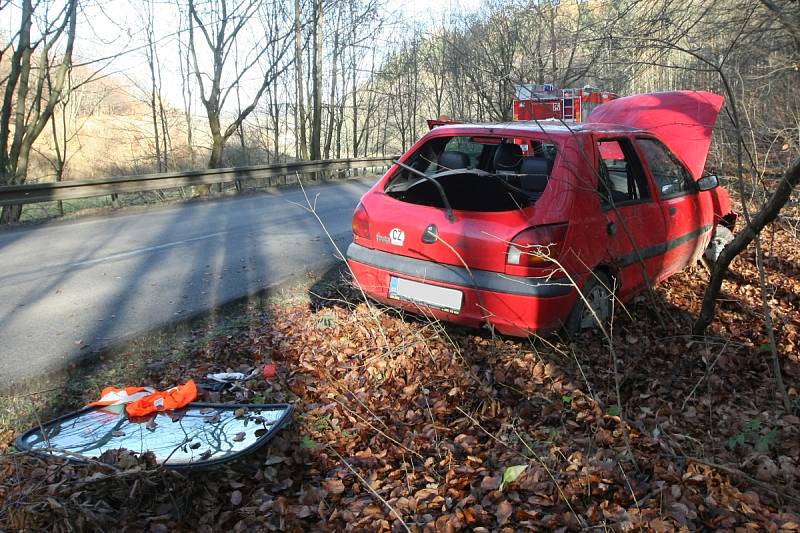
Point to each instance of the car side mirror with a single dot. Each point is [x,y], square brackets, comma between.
[706,183]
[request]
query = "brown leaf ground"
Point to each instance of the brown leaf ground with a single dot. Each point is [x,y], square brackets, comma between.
[403,423]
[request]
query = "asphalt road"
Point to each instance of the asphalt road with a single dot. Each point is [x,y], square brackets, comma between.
[71,288]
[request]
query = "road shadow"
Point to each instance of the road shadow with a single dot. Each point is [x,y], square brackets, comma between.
[142,357]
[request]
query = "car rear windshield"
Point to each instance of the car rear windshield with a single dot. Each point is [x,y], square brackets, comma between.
[476,173]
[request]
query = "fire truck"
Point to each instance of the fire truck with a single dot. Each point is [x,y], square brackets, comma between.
[540,102]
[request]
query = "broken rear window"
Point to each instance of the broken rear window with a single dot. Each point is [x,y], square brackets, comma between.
[476,173]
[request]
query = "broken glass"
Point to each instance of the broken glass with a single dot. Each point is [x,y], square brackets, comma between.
[196,435]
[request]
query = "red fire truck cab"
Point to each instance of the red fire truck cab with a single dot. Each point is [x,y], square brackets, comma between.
[540,102]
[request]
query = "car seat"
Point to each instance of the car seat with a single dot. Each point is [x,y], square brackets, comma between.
[451,160]
[507,158]
[534,173]
[610,194]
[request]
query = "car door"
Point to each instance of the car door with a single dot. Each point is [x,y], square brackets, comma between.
[683,120]
[687,224]
[634,222]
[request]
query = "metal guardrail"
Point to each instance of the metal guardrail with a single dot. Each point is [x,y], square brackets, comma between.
[70,190]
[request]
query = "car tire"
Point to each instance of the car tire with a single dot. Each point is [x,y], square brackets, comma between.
[598,292]
[722,237]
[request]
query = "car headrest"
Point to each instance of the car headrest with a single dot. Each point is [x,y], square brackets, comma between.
[507,156]
[451,159]
[534,173]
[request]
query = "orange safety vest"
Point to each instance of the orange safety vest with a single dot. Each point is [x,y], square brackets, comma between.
[116,396]
[142,401]
[170,399]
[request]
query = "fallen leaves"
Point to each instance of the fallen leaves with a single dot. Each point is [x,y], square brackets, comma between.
[511,474]
[504,511]
[334,486]
[456,430]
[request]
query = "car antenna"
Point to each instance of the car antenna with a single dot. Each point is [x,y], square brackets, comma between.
[450,216]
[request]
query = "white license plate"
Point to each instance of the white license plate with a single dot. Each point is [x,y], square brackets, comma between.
[430,295]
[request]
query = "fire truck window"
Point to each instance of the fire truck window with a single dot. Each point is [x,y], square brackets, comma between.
[620,177]
[671,177]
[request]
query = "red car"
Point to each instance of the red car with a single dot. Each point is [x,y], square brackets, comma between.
[497,224]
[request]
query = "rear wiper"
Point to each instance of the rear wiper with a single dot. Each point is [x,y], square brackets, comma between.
[449,210]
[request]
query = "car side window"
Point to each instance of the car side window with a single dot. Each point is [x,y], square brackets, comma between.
[620,177]
[457,152]
[465,145]
[672,178]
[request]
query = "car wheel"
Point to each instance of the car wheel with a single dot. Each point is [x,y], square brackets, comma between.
[722,236]
[598,294]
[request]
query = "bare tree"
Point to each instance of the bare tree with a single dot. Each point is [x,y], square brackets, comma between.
[333,79]
[28,100]
[216,30]
[64,130]
[158,115]
[300,116]
[184,63]
[316,86]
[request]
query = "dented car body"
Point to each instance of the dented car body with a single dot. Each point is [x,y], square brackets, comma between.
[497,224]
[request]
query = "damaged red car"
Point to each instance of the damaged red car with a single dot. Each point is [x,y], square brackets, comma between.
[502,224]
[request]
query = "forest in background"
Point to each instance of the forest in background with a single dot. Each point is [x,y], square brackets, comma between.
[227,83]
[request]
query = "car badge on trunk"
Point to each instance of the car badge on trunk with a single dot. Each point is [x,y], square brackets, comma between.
[431,234]
[397,236]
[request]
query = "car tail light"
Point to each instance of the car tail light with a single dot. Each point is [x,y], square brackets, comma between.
[361,222]
[534,247]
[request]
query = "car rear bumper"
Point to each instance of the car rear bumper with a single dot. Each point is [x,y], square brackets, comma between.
[514,305]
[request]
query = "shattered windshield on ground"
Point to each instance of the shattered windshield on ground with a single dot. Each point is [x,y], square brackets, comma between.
[196,435]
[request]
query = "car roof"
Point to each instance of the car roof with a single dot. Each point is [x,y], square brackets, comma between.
[549,126]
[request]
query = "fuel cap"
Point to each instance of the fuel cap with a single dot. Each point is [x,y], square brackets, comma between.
[431,234]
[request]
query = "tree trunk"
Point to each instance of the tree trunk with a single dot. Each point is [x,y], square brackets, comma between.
[316,86]
[154,113]
[354,98]
[186,94]
[11,214]
[743,238]
[217,147]
[31,115]
[300,122]
[276,118]
[332,93]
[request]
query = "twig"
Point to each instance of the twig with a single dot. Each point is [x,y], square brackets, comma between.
[782,492]
[34,393]
[370,489]
[66,453]
[623,425]
[708,372]
[538,459]
[627,481]
[367,422]
[773,347]
[312,208]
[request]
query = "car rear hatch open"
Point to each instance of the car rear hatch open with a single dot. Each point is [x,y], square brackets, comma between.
[683,120]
